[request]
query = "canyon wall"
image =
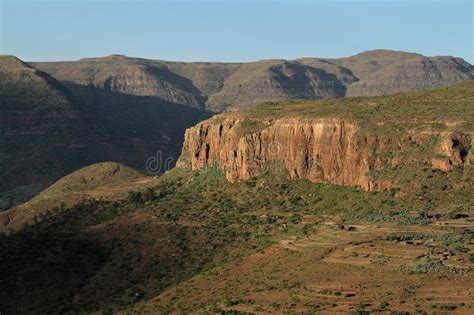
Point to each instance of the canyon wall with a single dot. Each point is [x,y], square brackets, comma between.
[334,150]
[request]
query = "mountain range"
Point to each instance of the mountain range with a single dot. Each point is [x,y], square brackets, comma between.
[221,86]
[60,116]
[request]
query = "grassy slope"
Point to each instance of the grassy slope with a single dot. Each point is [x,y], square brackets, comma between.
[451,102]
[90,177]
[107,180]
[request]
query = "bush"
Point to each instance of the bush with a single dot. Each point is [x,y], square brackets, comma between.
[134,197]
[138,197]
[295,219]
[149,195]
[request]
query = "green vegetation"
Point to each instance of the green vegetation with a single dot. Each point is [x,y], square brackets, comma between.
[90,177]
[446,240]
[249,126]
[196,215]
[432,267]
[388,108]
[199,221]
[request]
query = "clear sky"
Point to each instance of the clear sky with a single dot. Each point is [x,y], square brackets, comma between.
[233,30]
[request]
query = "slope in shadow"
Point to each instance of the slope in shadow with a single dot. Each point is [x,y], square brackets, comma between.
[114,127]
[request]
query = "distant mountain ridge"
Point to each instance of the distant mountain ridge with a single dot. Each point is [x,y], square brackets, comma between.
[221,86]
[41,95]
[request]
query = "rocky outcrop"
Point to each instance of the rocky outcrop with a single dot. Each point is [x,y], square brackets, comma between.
[323,149]
[454,150]
[326,149]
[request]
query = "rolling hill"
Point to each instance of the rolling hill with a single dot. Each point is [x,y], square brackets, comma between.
[105,180]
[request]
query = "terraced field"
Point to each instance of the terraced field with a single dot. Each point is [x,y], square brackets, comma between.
[342,268]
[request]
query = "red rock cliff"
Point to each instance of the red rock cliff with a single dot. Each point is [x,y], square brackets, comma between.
[319,149]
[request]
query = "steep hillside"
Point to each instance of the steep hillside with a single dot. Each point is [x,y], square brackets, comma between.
[220,86]
[44,101]
[273,80]
[39,119]
[48,129]
[384,71]
[97,79]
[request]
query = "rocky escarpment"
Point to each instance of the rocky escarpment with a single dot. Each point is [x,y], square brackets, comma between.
[383,71]
[336,147]
[101,81]
[221,86]
[125,109]
[331,150]
[316,149]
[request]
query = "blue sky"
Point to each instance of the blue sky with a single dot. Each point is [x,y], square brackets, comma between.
[233,30]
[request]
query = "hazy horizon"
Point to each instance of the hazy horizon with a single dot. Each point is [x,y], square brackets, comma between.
[218,61]
[236,31]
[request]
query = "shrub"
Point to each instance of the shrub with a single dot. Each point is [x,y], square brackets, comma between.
[134,197]
[295,219]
